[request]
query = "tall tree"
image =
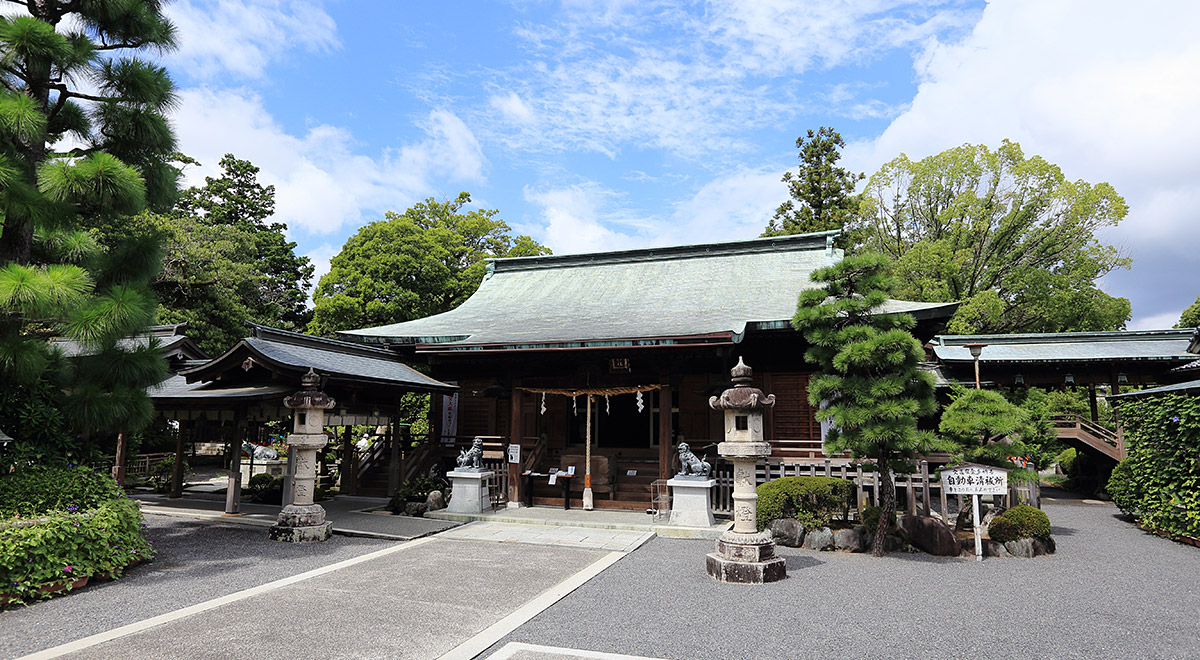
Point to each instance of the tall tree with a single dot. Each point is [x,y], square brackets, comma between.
[236,199]
[1009,236]
[822,194]
[1190,318]
[422,262]
[867,383]
[56,279]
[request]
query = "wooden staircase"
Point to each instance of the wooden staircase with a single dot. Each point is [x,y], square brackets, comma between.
[1083,434]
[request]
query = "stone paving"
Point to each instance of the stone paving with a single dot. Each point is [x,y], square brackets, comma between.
[577,537]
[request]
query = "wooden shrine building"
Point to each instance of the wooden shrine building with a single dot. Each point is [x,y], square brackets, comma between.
[646,335]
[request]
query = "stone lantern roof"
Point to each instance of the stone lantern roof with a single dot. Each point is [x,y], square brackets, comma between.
[742,396]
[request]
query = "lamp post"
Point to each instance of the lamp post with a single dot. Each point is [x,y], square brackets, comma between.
[975,349]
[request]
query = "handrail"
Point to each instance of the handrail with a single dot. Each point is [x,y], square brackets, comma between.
[1092,428]
[529,463]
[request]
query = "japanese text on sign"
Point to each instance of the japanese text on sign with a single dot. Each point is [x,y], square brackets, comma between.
[971,480]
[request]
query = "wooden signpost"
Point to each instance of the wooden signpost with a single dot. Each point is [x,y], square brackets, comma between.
[975,480]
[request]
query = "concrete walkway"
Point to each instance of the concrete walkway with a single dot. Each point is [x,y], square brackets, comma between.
[350,515]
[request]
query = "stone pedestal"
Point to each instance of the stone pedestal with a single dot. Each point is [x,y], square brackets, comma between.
[302,521]
[301,524]
[691,502]
[744,555]
[469,494]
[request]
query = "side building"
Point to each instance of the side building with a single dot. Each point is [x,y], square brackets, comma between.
[647,336]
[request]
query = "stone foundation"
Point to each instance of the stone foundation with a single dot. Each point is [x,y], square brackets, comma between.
[745,559]
[301,524]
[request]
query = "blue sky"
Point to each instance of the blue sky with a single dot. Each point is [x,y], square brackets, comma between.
[601,125]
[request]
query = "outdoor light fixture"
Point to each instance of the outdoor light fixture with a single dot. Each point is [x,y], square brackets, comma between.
[976,350]
[1069,380]
[1019,379]
[1122,378]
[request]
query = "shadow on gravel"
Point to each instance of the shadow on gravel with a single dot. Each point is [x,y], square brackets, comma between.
[800,562]
[1055,530]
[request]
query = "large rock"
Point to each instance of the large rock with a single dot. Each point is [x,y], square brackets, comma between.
[787,531]
[929,534]
[435,500]
[415,509]
[850,540]
[820,538]
[1029,548]
[988,517]
[965,520]
[990,548]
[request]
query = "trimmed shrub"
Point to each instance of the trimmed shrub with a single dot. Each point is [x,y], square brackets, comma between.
[1066,461]
[1163,443]
[814,501]
[40,489]
[62,524]
[1123,488]
[870,519]
[1020,522]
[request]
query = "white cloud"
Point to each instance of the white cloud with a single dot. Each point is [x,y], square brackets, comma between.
[512,108]
[241,37]
[321,184]
[320,257]
[571,220]
[1101,89]
[729,207]
[1157,321]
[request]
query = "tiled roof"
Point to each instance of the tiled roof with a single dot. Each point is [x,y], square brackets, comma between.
[1168,345]
[176,388]
[646,296]
[1177,388]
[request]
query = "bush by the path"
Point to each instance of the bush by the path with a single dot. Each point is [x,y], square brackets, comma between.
[1020,522]
[814,501]
[61,524]
[1159,480]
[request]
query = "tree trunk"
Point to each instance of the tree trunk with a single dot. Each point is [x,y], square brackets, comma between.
[887,495]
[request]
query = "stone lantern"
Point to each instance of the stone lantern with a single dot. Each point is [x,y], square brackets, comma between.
[301,520]
[743,553]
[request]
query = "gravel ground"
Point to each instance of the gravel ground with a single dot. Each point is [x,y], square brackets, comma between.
[1112,591]
[197,561]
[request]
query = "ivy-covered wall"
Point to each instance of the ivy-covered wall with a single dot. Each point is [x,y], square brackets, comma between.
[1161,474]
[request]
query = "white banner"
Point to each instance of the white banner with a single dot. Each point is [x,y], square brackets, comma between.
[449,416]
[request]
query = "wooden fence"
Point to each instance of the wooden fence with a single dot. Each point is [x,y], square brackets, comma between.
[916,492]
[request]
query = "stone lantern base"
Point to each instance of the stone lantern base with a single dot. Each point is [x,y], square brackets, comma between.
[746,559]
[301,524]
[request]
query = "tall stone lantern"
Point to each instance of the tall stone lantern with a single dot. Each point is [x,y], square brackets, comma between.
[302,521]
[744,554]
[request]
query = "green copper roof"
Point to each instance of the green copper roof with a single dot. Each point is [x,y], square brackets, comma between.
[1171,345]
[652,296]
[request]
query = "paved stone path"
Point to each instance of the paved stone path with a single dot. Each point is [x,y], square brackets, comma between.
[578,537]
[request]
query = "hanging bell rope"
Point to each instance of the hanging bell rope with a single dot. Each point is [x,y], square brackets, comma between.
[596,391]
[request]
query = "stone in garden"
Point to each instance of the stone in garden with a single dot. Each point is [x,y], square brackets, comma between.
[435,501]
[850,540]
[1045,546]
[964,522]
[1021,548]
[820,538]
[893,543]
[929,534]
[990,548]
[415,509]
[987,518]
[787,531]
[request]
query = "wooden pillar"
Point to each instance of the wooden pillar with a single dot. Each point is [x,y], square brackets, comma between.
[516,485]
[177,472]
[393,439]
[347,468]
[119,460]
[664,432]
[925,485]
[233,492]
[1092,402]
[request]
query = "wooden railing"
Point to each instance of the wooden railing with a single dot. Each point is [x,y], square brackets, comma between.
[1085,425]
[144,464]
[915,491]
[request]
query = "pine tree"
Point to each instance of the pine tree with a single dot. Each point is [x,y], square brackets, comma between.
[73,75]
[868,383]
[822,194]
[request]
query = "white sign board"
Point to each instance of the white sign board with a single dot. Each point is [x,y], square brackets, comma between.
[514,453]
[974,480]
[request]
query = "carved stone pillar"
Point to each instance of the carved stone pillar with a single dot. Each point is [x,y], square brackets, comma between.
[302,521]
[743,554]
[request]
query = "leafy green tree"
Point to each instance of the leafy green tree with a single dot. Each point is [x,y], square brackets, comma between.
[1008,236]
[425,261]
[822,194]
[236,200]
[1190,317]
[867,383]
[988,428]
[56,279]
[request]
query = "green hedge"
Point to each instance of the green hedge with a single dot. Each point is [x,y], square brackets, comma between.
[1160,480]
[1019,522]
[62,524]
[814,501]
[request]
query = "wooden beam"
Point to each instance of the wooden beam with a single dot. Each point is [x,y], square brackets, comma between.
[177,471]
[664,432]
[516,485]
[119,460]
